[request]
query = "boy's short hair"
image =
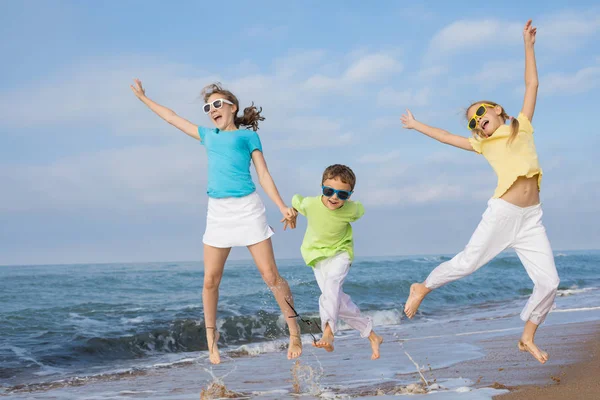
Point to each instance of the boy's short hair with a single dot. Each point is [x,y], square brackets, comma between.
[342,172]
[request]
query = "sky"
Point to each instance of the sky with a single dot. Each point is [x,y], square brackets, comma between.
[89,175]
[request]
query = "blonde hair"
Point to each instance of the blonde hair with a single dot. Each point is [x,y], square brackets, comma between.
[514,124]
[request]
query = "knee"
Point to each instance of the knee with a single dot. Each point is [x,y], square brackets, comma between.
[211,282]
[272,279]
[549,287]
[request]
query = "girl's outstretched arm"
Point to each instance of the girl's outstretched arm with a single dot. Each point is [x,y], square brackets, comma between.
[168,115]
[409,122]
[531,76]
[266,182]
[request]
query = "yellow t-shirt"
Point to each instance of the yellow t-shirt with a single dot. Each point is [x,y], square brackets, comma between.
[510,161]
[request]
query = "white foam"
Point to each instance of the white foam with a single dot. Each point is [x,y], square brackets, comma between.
[380,318]
[463,334]
[574,290]
[576,309]
[136,320]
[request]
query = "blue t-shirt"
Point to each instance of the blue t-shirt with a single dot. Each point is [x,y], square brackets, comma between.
[229,155]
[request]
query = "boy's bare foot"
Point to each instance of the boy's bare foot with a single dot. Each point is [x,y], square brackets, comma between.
[376,341]
[418,291]
[212,337]
[326,342]
[295,347]
[535,351]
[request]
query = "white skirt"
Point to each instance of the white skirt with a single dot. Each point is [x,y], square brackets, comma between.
[236,221]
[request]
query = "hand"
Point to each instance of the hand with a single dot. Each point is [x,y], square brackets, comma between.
[289,222]
[529,33]
[138,90]
[289,217]
[408,120]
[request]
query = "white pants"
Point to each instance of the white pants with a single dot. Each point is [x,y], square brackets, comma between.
[334,303]
[505,225]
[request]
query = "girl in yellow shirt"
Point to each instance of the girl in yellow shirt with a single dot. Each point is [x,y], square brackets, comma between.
[513,218]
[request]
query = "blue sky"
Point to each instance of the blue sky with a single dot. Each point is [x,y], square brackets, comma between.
[88,174]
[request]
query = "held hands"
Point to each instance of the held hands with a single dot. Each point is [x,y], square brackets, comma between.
[289,217]
[137,89]
[529,33]
[408,120]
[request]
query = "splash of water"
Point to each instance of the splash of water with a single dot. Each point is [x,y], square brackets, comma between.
[305,379]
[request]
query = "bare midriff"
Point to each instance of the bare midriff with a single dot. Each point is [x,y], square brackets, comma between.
[524,192]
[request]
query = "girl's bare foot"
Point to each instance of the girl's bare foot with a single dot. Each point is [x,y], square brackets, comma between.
[535,351]
[295,347]
[212,337]
[326,342]
[376,341]
[418,291]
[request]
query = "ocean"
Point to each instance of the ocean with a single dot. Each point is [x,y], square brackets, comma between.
[65,326]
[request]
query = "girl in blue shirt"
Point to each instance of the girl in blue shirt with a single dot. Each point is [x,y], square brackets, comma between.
[236,215]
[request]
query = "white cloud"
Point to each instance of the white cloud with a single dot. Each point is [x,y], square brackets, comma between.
[368,68]
[432,72]
[562,30]
[380,158]
[298,62]
[567,28]
[303,132]
[121,179]
[388,97]
[413,194]
[465,35]
[493,74]
[581,81]
[372,67]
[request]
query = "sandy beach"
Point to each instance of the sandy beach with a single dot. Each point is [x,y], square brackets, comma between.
[575,381]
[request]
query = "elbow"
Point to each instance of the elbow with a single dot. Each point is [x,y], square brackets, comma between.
[170,117]
[532,83]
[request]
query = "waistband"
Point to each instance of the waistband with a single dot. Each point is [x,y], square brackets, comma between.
[513,208]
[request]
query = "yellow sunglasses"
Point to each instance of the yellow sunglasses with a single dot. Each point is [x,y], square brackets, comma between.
[481,110]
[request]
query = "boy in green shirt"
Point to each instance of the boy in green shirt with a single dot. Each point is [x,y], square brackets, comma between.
[328,248]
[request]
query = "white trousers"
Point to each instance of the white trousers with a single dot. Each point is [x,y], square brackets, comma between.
[334,303]
[505,225]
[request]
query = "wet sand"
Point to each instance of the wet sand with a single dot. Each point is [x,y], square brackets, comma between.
[576,381]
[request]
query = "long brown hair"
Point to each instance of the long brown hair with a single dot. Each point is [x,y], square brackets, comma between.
[251,115]
[514,124]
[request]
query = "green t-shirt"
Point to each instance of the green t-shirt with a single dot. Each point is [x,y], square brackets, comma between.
[329,231]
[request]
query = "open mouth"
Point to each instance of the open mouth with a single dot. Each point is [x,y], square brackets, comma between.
[333,202]
[484,123]
[217,118]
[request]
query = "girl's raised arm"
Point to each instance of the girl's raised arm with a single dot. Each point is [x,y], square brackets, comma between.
[531,76]
[409,122]
[165,113]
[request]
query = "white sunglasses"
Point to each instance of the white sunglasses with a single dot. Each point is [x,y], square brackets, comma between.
[218,103]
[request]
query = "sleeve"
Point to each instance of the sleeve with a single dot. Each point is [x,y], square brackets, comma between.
[524,124]
[202,132]
[254,142]
[476,144]
[299,203]
[357,210]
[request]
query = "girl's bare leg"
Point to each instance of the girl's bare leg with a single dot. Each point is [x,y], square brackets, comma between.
[214,263]
[263,256]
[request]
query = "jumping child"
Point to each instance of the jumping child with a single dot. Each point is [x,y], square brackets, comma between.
[513,218]
[236,214]
[328,247]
